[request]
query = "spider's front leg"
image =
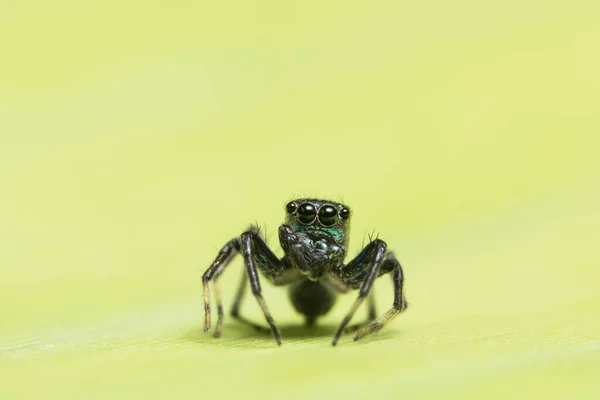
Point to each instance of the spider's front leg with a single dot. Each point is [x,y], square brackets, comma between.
[255,252]
[360,273]
[213,272]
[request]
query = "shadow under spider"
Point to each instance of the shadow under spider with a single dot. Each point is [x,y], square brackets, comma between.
[242,336]
[235,331]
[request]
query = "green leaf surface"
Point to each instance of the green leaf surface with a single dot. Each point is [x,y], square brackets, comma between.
[136,138]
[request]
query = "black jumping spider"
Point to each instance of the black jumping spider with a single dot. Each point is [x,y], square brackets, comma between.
[314,239]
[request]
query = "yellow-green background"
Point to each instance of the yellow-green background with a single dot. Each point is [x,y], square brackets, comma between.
[137,137]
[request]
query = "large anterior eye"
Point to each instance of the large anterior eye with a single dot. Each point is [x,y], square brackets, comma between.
[306,213]
[327,215]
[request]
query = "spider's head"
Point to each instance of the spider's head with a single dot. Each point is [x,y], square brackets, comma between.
[315,234]
[319,218]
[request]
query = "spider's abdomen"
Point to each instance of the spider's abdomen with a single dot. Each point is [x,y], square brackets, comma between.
[312,299]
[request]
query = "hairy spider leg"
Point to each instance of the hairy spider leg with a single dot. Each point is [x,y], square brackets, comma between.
[235,309]
[254,248]
[371,314]
[217,267]
[238,298]
[399,305]
[362,270]
[217,290]
[255,252]
[360,273]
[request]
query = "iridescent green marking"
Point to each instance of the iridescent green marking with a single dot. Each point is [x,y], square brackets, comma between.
[332,232]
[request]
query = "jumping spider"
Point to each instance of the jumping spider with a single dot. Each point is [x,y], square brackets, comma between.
[314,240]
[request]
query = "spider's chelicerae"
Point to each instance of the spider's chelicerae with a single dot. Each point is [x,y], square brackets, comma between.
[314,240]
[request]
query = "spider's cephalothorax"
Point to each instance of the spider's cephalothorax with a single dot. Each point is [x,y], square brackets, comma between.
[314,240]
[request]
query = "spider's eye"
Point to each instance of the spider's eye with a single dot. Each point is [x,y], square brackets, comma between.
[327,215]
[290,207]
[306,213]
[344,213]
